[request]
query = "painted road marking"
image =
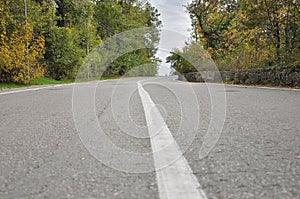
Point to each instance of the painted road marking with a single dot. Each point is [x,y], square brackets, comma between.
[174,178]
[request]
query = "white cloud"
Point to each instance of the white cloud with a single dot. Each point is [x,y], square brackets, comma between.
[174,18]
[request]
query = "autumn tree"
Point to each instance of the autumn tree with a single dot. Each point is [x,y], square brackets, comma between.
[21,50]
[21,55]
[247,33]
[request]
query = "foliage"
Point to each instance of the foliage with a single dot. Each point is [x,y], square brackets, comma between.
[114,17]
[55,36]
[248,33]
[147,70]
[20,56]
[135,63]
[63,54]
[191,58]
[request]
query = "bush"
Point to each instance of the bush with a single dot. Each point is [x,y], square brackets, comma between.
[63,54]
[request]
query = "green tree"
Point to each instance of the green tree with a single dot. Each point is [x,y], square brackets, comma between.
[114,17]
[63,54]
[191,58]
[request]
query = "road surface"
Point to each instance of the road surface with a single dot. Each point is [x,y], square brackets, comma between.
[50,146]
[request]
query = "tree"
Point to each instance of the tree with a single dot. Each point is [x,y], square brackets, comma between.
[64,56]
[191,58]
[60,34]
[114,17]
[19,64]
[21,50]
[247,33]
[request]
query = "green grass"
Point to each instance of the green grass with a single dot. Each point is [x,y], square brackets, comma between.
[36,82]
[44,80]
[5,86]
[47,81]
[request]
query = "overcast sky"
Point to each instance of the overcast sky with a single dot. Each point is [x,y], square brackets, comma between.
[176,27]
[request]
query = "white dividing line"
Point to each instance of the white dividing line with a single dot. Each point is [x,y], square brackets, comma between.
[173,174]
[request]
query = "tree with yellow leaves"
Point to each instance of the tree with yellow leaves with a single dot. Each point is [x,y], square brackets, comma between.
[21,55]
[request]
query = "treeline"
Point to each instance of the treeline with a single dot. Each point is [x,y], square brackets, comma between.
[242,34]
[53,37]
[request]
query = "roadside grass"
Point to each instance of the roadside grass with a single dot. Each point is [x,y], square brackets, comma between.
[36,82]
[45,80]
[7,86]
[48,81]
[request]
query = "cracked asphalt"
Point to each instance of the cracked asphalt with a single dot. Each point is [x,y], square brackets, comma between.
[257,155]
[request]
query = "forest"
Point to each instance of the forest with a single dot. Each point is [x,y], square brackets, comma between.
[52,38]
[242,34]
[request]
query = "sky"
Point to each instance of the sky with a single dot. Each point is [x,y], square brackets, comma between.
[176,28]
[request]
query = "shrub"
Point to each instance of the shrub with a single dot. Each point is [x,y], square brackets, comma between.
[63,54]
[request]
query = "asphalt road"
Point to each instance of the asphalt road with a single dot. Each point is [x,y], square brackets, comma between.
[92,141]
